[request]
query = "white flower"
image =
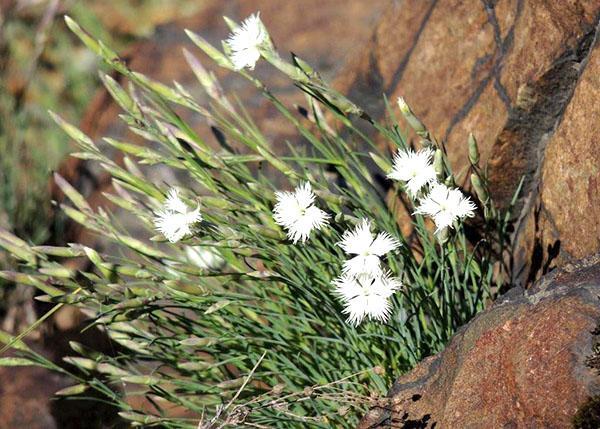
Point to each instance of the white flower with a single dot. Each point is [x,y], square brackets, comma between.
[367,248]
[366,296]
[413,168]
[296,212]
[445,205]
[245,41]
[174,219]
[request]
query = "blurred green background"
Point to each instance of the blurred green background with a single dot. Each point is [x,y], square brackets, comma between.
[44,67]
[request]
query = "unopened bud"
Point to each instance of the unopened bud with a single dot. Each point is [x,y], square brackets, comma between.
[438,163]
[443,235]
[480,190]
[382,163]
[473,150]
[412,120]
[489,212]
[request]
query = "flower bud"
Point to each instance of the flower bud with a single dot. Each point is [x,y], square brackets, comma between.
[473,150]
[480,190]
[412,120]
[443,236]
[438,163]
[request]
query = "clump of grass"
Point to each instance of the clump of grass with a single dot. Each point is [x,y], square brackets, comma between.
[260,338]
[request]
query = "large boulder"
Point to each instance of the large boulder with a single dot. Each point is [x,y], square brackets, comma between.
[505,70]
[524,363]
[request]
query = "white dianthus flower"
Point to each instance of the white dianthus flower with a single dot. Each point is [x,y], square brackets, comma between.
[175,219]
[415,169]
[366,296]
[245,42]
[445,205]
[367,248]
[296,212]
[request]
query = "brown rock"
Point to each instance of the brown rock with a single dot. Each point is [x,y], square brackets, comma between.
[563,224]
[468,66]
[520,364]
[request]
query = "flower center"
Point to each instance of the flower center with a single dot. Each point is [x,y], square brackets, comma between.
[301,209]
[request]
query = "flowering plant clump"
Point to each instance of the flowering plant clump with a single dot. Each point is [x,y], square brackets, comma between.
[287,305]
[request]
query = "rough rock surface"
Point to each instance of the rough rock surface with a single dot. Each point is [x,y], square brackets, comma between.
[563,223]
[505,70]
[521,364]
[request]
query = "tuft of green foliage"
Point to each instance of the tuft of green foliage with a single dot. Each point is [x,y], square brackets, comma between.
[260,340]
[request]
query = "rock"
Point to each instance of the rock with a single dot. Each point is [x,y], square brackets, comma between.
[505,70]
[521,364]
[562,225]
